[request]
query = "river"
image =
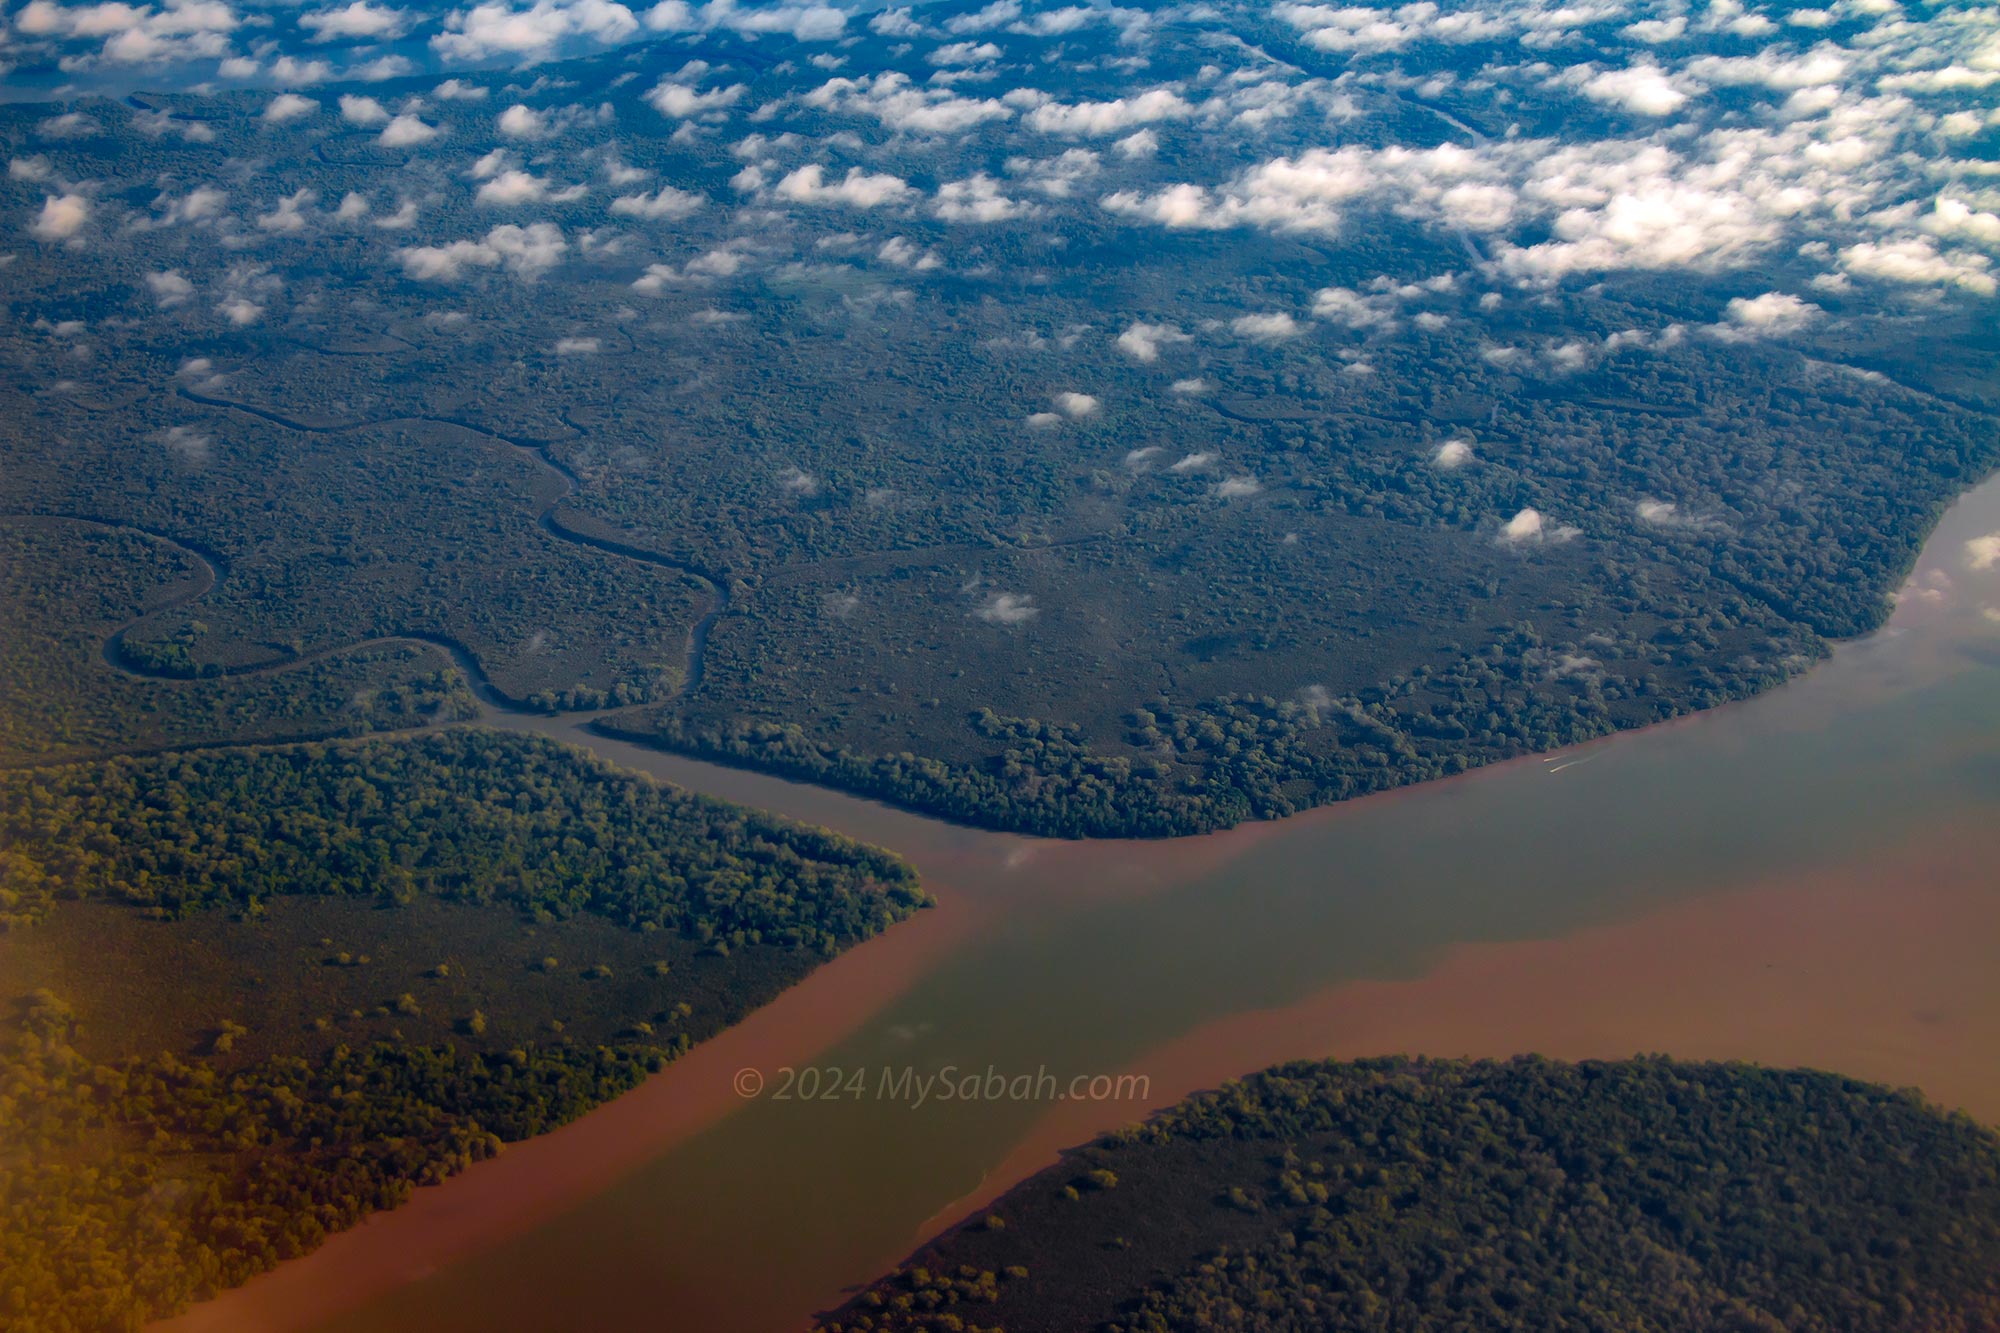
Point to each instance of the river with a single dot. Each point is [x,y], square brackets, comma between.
[1810,877]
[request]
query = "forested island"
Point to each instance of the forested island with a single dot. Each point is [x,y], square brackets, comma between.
[1420,1195]
[255,994]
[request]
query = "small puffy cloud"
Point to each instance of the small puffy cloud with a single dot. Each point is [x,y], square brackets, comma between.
[1142,341]
[1076,405]
[892,99]
[664,205]
[1234,488]
[1007,608]
[1919,263]
[526,252]
[458,90]
[798,481]
[299,73]
[857,189]
[510,189]
[240,310]
[61,217]
[169,288]
[1451,455]
[1195,462]
[289,215]
[201,204]
[69,125]
[579,346]
[498,28]
[1983,553]
[1529,526]
[357,21]
[523,122]
[904,253]
[406,132]
[1089,119]
[1271,328]
[357,110]
[288,106]
[1138,144]
[964,53]
[1643,89]
[1956,218]
[1044,420]
[1189,388]
[682,101]
[977,199]
[1772,314]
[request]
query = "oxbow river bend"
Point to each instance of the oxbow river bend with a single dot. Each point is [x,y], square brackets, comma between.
[1812,877]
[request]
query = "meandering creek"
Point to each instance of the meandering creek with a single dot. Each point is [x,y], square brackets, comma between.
[1812,877]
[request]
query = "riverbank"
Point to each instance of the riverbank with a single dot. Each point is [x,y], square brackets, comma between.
[1554,904]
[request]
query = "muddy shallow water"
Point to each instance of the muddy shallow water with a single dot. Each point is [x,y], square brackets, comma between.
[1812,877]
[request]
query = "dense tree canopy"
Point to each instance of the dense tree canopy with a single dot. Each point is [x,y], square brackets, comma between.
[1435,1195]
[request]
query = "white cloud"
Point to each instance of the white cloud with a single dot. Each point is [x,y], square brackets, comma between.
[1529,526]
[857,189]
[359,20]
[523,122]
[1076,405]
[1451,455]
[288,106]
[1142,341]
[1644,89]
[406,131]
[665,204]
[682,101]
[1234,488]
[1271,328]
[978,199]
[1772,314]
[1082,119]
[1191,387]
[1955,217]
[1983,553]
[904,253]
[578,346]
[61,217]
[895,102]
[362,110]
[964,53]
[1195,462]
[535,32]
[509,189]
[1007,608]
[289,215]
[526,252]
[169,288]
[1918,262]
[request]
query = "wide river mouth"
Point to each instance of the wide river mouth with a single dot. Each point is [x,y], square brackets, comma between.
[1812,877]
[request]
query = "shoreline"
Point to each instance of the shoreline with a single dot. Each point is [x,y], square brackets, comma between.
[1862,940]
[973,874]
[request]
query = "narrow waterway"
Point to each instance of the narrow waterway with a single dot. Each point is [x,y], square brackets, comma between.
[1811,877]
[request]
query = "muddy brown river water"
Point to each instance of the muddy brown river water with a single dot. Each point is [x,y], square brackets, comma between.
[1812,877]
